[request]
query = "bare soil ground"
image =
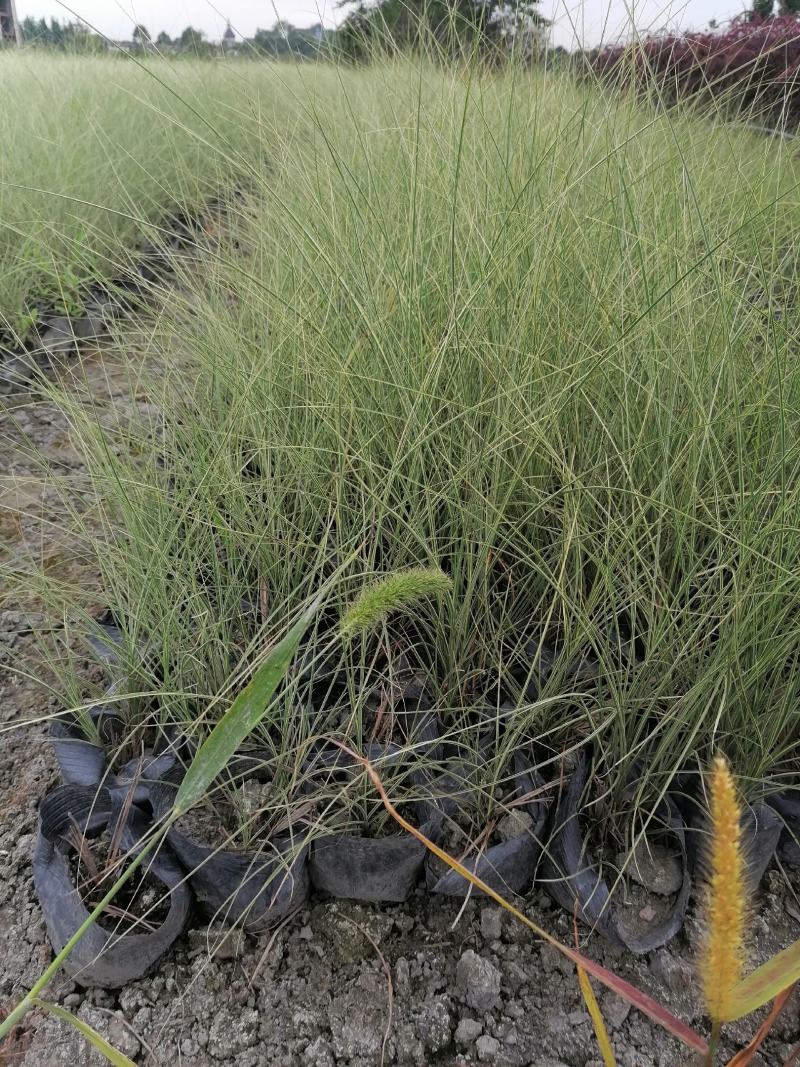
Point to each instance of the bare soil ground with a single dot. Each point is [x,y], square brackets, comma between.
[427,982]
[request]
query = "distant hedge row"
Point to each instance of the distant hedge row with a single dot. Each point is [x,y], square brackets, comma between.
[753,65]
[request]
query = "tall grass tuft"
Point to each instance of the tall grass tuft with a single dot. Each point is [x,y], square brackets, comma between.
[83,173]
[498,323]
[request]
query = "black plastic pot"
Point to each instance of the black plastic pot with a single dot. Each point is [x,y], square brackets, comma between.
[102,957]
[360,867]
[572,877]
[762,826]
[253,889]
[508,867]
[82,762]
[366,868]
[787,805]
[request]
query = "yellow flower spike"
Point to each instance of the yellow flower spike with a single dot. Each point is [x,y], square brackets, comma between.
[723,953]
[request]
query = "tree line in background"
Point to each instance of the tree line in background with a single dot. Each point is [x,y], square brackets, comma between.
[282,39]
[452,26]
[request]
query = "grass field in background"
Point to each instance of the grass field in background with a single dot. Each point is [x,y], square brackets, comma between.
[498,323]
[94,148]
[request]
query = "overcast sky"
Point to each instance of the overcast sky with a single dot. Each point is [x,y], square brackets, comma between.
[590,20]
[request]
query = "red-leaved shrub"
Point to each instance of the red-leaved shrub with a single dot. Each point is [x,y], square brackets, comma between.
[752,66]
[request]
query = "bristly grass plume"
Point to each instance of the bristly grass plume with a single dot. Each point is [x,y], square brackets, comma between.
[392,593]
[722,960]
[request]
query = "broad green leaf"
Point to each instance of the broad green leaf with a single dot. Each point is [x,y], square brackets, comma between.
[603,1040]
[765,983]
[241,718]
[111,1054]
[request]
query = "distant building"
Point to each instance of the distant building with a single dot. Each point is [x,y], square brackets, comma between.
[228,37]
[9,28]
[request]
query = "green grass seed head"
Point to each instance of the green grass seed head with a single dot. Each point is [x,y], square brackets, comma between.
[395,592]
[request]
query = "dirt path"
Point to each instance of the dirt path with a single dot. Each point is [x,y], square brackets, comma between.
[340,984]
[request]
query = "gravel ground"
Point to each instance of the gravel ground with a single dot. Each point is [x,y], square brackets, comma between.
[343,984]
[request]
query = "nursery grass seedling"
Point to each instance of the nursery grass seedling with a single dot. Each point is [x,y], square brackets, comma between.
[594,439]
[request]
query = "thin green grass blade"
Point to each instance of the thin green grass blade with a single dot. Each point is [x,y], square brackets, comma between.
[95,1040]
[241,718]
